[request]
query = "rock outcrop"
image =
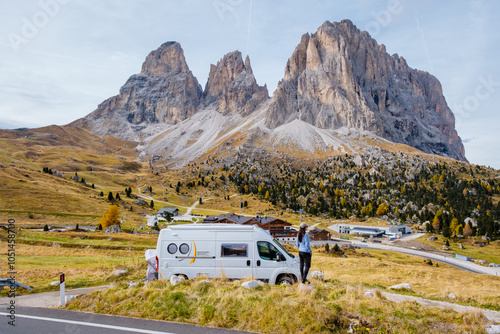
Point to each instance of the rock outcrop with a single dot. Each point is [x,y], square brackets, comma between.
[340,77]
[232,85]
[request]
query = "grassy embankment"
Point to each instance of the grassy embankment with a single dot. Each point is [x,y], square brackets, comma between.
[332,306]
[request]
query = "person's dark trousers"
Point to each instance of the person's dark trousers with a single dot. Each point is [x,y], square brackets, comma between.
[305,264]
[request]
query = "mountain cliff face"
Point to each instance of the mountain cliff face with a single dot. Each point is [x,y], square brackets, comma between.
[232,85]
[165,91]
[340,77]
[338,82]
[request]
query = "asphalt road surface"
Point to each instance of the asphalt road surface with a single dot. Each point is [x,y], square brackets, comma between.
[35,320]
[464,265]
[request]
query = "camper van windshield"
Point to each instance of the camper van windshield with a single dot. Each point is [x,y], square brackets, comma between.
[280,246]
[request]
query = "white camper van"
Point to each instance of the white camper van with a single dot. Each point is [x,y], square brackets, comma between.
[217,250]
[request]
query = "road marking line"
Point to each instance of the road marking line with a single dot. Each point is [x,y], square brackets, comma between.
[128,329]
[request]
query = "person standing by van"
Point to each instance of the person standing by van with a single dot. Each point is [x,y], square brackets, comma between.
[305,251]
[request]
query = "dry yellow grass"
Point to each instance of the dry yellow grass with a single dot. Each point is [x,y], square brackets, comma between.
[384,269]
[330,307]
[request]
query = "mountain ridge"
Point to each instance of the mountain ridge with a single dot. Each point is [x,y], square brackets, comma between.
[337,78]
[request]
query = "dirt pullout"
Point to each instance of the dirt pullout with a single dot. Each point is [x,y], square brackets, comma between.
[488,314]
[49,299]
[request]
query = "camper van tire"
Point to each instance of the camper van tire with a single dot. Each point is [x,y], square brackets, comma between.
[283,279]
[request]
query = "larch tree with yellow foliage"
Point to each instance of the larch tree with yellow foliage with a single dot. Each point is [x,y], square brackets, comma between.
[453,227]
[110,217]
[382,209]
[468,230]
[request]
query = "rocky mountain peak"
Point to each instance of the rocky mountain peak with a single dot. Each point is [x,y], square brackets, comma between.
[232,85]
[340,77]
[167,59]
[165,91]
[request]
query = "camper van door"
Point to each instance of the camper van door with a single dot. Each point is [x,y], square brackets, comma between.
[266,260]
[234,251]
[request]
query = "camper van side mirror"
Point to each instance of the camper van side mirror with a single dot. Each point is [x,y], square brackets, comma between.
[280,257]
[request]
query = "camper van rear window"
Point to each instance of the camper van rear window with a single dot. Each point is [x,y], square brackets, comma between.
[240,250]
[172,248]
[184,248]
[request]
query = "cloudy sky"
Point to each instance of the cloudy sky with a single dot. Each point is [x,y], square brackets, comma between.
[61,58]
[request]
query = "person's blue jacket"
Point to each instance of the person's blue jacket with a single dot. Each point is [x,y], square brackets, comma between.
[305,245]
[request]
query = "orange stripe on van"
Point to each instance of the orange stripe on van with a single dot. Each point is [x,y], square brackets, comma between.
[194,256]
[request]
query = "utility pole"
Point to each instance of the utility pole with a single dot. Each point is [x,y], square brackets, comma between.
[301,211]
[117,169]
[164,186]
[184,198]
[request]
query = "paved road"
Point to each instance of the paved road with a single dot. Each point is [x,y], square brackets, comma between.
[461,264]
[33,320]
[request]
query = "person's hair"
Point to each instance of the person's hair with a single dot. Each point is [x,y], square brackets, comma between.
[302,232]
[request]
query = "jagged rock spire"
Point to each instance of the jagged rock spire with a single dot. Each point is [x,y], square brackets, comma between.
[232,85]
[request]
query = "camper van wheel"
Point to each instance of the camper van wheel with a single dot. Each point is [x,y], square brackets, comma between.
[284,280]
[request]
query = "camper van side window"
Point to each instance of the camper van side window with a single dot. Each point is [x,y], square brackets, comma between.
[240,250]
[172,248]
[267,251]
[184,248]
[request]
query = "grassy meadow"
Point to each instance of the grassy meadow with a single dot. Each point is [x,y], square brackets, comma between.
[333,305]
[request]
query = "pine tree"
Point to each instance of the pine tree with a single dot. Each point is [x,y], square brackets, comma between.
[152,204]
[110,196]
[46,228]
[118,196]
